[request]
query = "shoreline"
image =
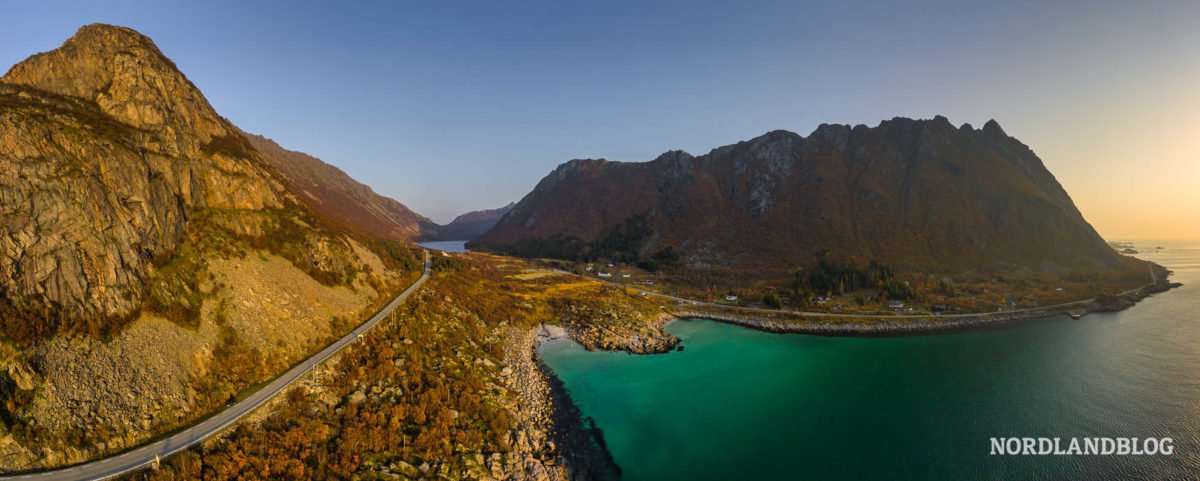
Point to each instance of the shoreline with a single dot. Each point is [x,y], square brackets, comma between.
[1159,283]
[571,443]
[578,446]
[781,323]
[535,455]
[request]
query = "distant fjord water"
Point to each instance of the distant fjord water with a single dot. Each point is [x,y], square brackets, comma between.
[748,405]
[446,246]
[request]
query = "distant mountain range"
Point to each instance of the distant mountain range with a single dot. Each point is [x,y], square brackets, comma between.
[466,226]
[918,195]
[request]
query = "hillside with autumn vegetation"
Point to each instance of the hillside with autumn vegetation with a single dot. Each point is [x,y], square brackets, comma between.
[447,389]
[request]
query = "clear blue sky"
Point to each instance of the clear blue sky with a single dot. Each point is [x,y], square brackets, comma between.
[452,106]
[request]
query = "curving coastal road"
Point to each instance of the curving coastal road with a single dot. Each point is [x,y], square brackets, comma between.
[150,453]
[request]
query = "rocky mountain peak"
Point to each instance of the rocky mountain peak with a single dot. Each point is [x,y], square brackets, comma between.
[86,63]
[836,134]
[676,164]
[127,77]
[574,166]
[674,156]
[774,136]
[993,128]
[106,152]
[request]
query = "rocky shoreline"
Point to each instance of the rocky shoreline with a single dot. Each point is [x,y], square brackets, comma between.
[574,448]
[616,321]
[538,456]
[576,445]
[650,337]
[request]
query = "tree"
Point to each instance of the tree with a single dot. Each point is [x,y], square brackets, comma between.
[771,299]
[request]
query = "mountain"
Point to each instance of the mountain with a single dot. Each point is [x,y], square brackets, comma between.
[114,168]
[106,151]
[466,226]
[154,259]
[336,197]
[917,195]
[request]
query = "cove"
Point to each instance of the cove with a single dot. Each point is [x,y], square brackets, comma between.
[743,404]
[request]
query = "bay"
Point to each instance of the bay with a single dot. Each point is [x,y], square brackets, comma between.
[743,404]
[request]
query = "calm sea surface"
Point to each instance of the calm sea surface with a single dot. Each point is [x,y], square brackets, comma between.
[739,404]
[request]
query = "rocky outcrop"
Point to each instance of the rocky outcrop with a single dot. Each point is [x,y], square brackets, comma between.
[918,195]
[616,324]
[125,75]
[105,151]
[596,330]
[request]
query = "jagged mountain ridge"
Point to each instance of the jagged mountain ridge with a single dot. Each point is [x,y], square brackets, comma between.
[466,226]
[920,195]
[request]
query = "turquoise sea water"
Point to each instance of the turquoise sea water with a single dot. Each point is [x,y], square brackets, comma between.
[739,404]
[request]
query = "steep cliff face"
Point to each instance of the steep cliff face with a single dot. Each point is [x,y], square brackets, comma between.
[105,149]
[920,195]
[125,75]
[466,226]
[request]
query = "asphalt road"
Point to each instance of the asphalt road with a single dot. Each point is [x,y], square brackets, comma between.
[150,453]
